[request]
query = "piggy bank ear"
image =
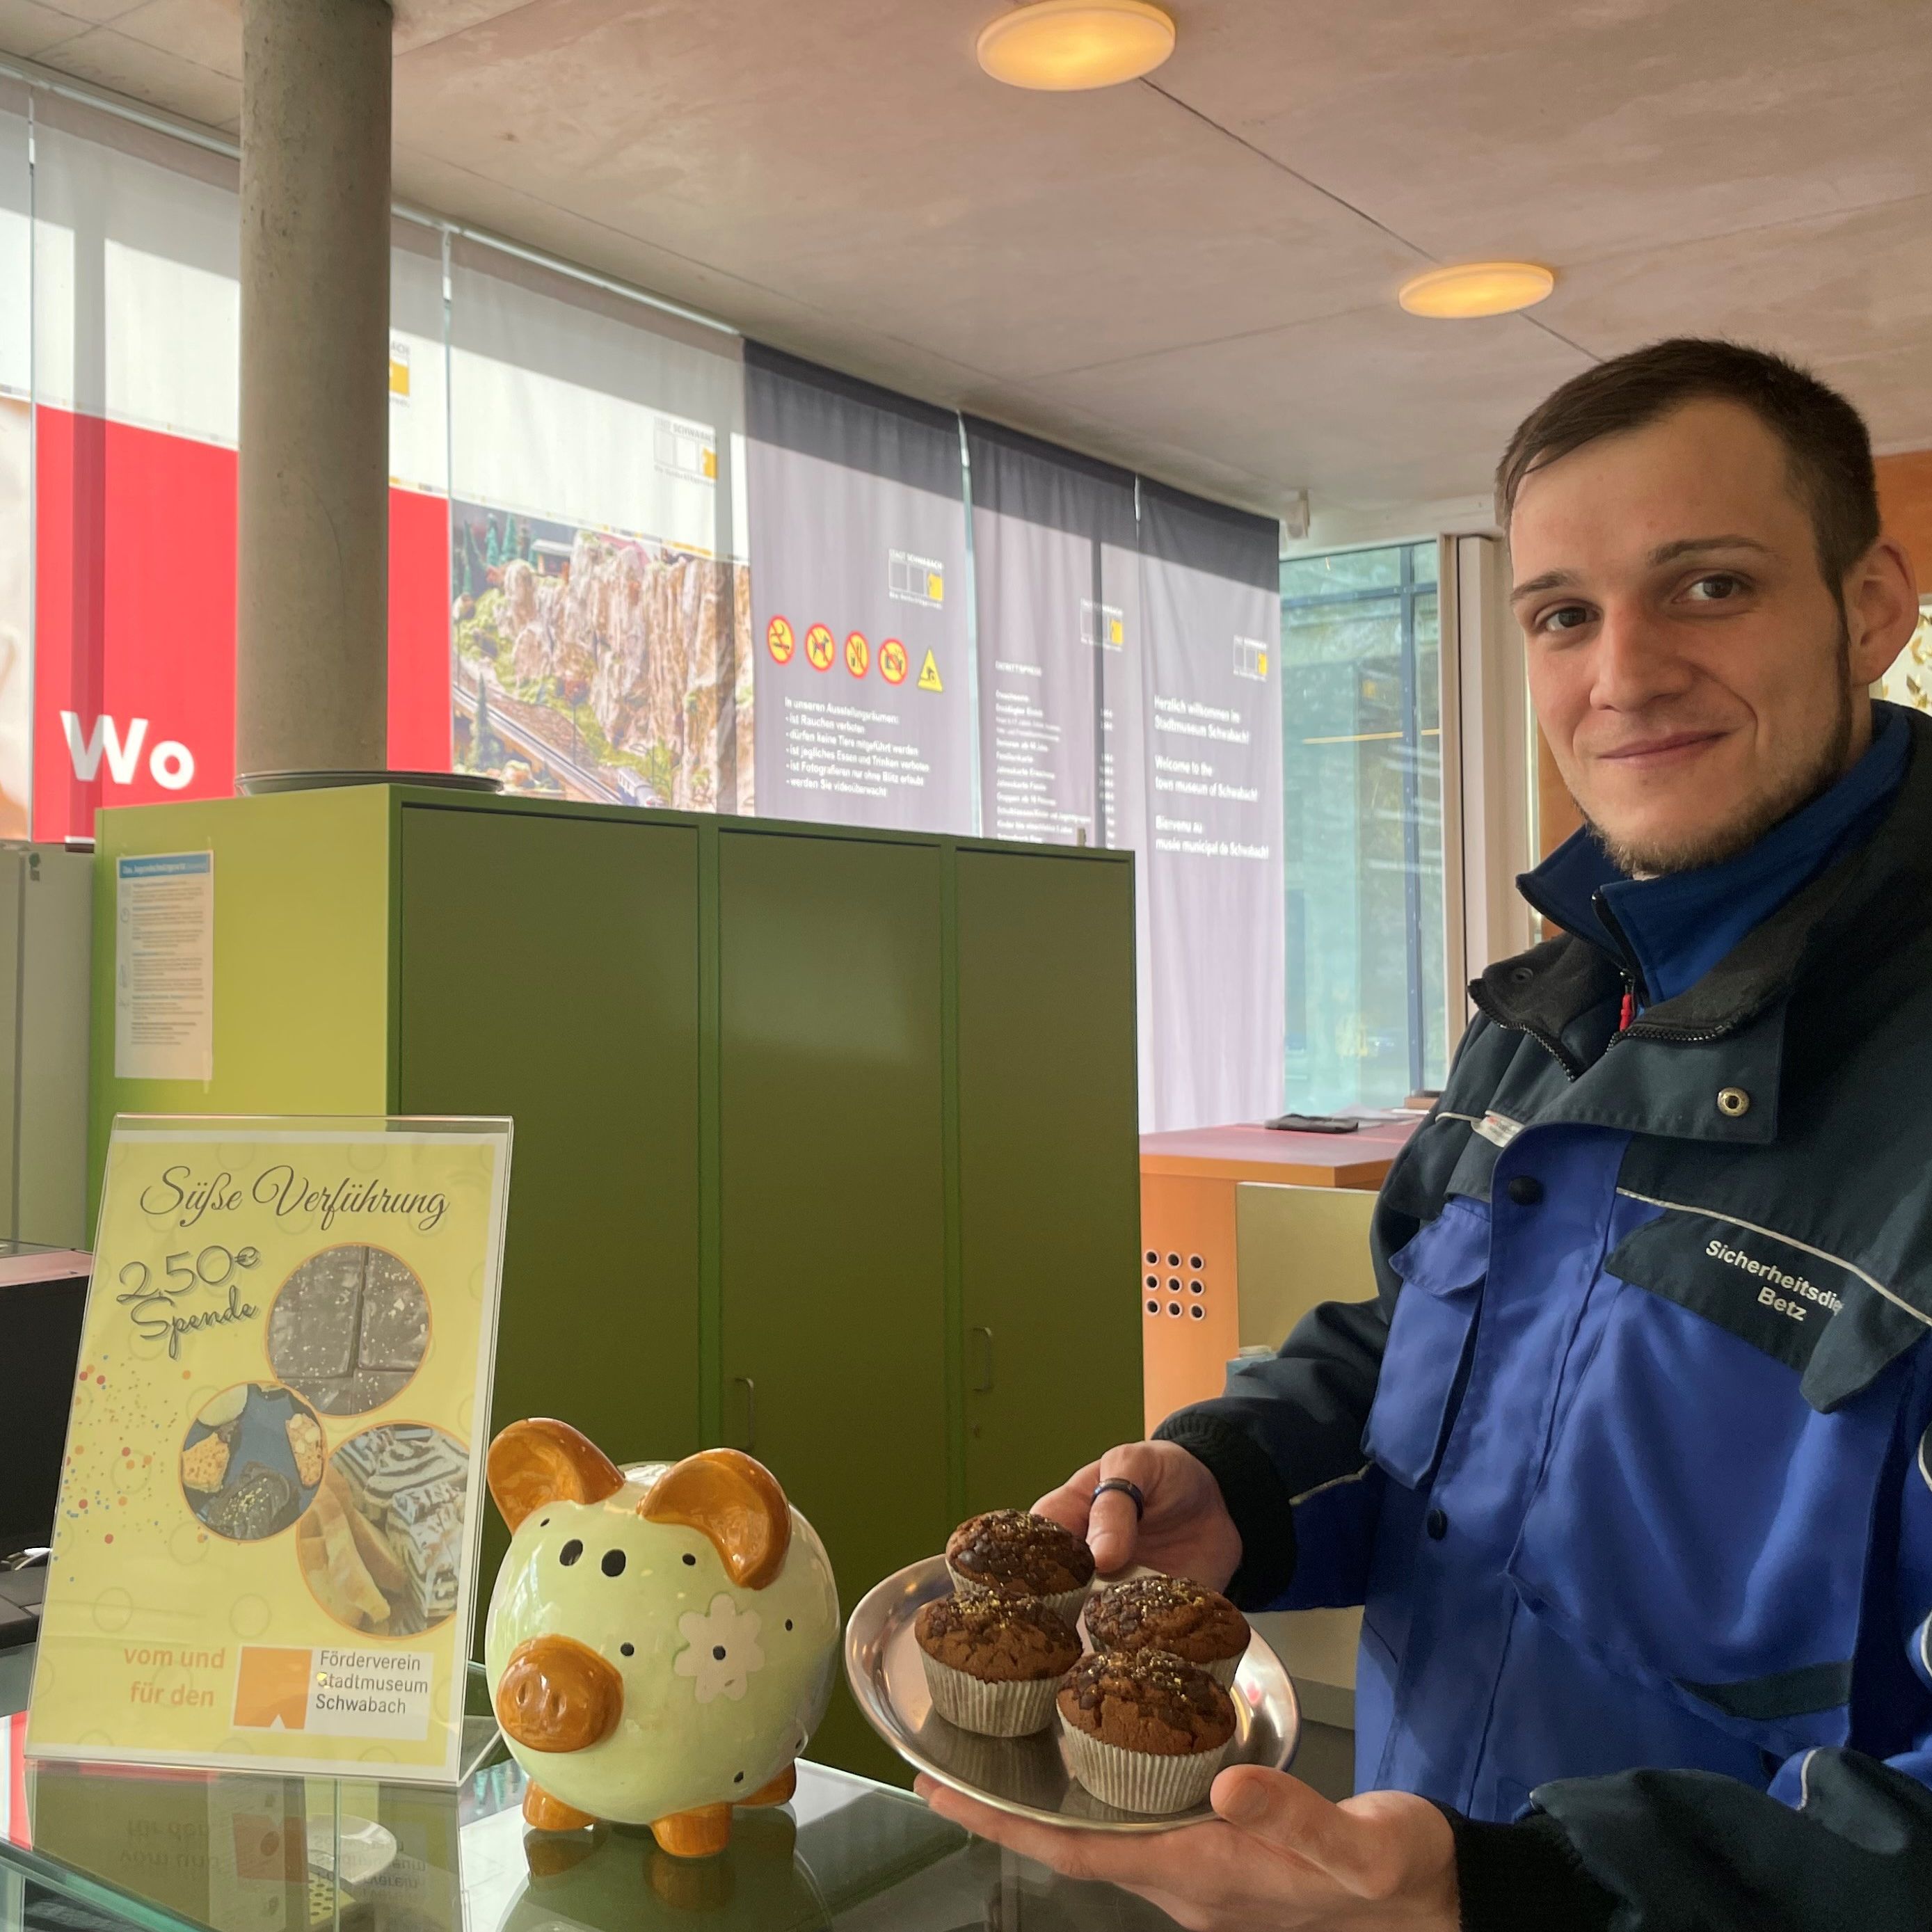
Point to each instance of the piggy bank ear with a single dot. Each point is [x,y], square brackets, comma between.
[538,1462]
[737,1503]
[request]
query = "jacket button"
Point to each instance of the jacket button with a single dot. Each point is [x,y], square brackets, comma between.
[1437,1524]
[1524,1189]
[1733,1102]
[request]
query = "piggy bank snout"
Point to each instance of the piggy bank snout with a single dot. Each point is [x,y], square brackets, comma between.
[556,1694]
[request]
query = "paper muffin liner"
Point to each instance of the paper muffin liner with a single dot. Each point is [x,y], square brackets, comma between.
[1147,1782]
[1067,1602]
[1009,1710]
[1223,1668]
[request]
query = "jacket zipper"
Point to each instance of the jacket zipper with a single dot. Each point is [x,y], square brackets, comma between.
[1548,1041]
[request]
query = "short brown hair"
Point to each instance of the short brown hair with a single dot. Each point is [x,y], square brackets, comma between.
[1825,438]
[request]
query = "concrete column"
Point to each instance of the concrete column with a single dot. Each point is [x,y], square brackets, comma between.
[312,580]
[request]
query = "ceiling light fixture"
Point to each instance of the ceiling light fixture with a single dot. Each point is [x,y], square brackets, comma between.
[1061,45]
[1477,288]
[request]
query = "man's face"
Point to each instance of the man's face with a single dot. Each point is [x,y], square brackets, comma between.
[1688,663]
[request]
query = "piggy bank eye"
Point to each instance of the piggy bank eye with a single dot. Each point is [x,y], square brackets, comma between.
[570,1552]
[690,1559]
[614,1563]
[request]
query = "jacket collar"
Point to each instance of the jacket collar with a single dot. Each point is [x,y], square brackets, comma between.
[1868,899]
[1667,933]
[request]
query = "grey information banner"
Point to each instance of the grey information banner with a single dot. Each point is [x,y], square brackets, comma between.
[1213,873]
[1056,586]
[859,628]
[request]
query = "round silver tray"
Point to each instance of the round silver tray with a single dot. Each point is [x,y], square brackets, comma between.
[1026,1776]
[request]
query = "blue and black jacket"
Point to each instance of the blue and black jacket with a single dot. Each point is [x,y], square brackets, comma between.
[1629,1462]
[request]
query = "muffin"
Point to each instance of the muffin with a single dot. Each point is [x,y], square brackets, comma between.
[1013,1554]
[993,1664]
[1145,1731]
[1174,1614]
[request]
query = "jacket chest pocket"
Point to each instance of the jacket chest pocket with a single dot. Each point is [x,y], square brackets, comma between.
[1699,1527]
[1426,1359]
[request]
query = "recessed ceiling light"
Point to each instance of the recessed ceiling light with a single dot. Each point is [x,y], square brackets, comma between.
[1059,45]
[1477,288]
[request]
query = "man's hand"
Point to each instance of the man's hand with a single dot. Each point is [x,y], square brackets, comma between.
[1278,1857]
[1187,1530]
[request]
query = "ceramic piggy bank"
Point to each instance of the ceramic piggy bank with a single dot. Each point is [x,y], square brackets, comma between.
[661,1641]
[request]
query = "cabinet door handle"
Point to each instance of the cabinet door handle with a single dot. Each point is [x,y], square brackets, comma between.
[981,1387]
[751,1412]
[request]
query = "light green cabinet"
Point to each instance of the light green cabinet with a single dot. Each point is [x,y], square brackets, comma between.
[825,1141]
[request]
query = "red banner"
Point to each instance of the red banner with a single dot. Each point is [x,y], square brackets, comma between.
[134,622]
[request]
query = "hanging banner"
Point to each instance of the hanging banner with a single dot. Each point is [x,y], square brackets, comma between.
[858,602]
[1212,881]
[264,1549]
[136,331]
[16,463]
[1056,602]
[596,570]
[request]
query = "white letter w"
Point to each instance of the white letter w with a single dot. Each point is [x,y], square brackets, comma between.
[121,759]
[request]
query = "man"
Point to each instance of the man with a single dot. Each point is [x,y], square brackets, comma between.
[1629,1463]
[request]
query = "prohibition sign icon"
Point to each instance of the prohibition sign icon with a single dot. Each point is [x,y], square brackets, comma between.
[893,663]
[818,647]
[779,641]
[858,654]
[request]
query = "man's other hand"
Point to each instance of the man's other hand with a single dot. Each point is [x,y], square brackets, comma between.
[1279,1856]
[1187,1530]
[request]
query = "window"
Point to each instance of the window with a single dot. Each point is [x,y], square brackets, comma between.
[1362,808]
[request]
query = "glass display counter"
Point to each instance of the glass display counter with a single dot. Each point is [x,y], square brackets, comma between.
[88,1848]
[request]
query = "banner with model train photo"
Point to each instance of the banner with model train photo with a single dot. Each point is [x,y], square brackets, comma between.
[858,602]
[266,1546]
[597,578]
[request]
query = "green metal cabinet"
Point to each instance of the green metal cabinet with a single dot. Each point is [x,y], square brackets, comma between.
[825,1141]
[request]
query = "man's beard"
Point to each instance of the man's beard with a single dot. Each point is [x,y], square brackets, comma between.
[1713,844]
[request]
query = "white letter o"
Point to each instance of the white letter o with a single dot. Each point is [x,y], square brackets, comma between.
[172,766]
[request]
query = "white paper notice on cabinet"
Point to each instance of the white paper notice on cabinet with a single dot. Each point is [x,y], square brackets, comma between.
[164,967]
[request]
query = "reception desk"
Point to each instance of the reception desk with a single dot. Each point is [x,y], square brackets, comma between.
[1243,1229]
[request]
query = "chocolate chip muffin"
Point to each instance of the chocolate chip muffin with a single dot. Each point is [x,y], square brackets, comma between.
[993,1664]
[1145,1730]
[1015,1554]
[1174,1614]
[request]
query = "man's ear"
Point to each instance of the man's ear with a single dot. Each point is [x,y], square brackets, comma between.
[538,1462]
[1881,608]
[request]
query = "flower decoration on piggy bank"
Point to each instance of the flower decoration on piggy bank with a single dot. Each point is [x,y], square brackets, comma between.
[661,1639]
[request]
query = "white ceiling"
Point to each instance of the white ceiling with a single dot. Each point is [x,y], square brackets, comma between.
[1194,275]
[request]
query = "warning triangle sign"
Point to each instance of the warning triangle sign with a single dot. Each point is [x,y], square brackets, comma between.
[929,675]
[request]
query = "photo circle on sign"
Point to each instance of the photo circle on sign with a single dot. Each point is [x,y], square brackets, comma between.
[252,1461]
[778,640]
[819,647]
[858,654]
[382,1546]
[348,1328]
[893,661]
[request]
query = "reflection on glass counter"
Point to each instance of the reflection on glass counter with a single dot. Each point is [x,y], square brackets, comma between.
[97,1848]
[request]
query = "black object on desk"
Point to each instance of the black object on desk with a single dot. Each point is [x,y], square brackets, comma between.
[1315,1124]
[21,1592]
[43,1296]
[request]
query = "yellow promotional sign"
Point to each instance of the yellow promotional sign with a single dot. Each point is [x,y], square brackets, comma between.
[265,1548]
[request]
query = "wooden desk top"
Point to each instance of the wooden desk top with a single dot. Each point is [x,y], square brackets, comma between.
[1360,1160]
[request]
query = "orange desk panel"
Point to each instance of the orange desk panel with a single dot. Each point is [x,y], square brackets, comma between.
[1190,1305]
